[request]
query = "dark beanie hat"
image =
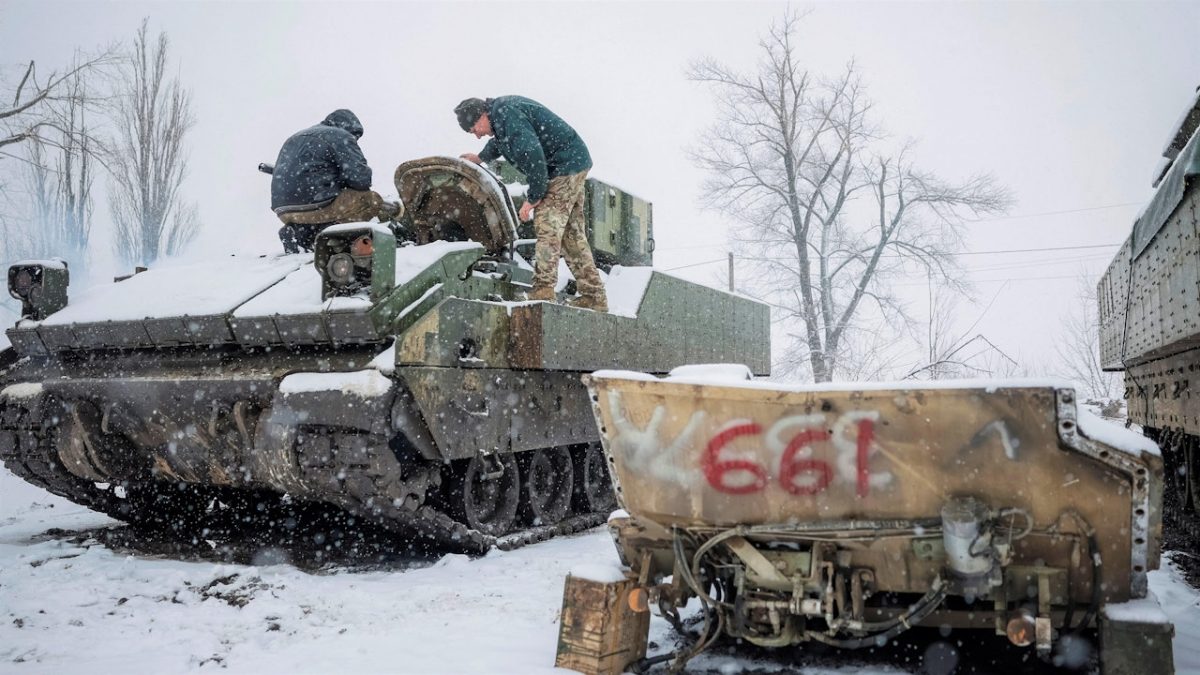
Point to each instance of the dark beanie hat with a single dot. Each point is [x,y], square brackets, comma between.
[469,112]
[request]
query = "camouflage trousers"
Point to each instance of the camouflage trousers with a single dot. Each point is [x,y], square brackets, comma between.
[301,228]
[558,223]
[351,206]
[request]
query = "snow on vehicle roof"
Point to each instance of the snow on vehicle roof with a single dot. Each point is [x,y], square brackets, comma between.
[1173,138]
[297,293]
[625,287]
[52,263]
[412,260]
[735,372]
[385,361]
[375,228]
[198,289]
[300,291]
[1114,435]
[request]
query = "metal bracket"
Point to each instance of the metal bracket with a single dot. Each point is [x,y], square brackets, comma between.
[757,562]
[1139,483]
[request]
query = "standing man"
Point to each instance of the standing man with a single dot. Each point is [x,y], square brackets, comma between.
[321,178]
[555,162]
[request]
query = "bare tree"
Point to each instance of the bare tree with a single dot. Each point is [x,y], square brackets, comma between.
[1078,348]
[148,162]
[54,148]
[830,214]
[59,172]
[31,111]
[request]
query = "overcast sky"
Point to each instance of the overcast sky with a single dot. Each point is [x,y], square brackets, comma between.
[1068,104]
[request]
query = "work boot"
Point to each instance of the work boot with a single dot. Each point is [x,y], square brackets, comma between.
[596,303]
[542,293]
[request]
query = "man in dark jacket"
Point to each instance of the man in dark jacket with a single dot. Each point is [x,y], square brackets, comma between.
[321,178]
[555,162]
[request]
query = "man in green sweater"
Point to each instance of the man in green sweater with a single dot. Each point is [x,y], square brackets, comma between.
[555,162]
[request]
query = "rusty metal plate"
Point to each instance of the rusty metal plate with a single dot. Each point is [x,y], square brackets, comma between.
[716,455]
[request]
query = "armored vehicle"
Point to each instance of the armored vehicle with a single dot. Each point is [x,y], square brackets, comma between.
[409,385]
[848,515]
[1150,321]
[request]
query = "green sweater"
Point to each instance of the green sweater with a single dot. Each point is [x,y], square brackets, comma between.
[535,140]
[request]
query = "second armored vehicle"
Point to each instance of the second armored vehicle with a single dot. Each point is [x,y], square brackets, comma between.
[1150,321]
[848,515]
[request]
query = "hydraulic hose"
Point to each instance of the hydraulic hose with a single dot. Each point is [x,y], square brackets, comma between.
[651,661]
[915,614]
[711,607]
[1097,563]
[1094,605]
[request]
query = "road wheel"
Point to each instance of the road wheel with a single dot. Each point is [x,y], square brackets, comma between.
[488,492]
[548,485]
[593,484]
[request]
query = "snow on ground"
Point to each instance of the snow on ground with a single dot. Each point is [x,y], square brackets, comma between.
[86,608]
[1181,603]
[69,608]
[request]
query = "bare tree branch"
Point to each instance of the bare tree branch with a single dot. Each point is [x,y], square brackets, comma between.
[148,162]
[55,140]
[797,161]
[24,117]
[1078,348]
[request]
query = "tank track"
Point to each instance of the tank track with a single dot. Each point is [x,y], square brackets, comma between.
[28,451]
[359,494]
[1181,520]
[436,527]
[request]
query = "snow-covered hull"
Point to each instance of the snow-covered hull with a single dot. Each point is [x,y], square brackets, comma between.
[409,385]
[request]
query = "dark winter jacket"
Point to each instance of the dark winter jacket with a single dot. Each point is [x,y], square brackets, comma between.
[316,164]
[536,140]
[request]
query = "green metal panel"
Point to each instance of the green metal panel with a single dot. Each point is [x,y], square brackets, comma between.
[389,314]
[604,225]
[679,323]
[500,410]
[638,245]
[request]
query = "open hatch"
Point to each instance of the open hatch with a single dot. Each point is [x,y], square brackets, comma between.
[451,199]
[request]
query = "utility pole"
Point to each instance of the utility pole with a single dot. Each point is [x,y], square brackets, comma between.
[731,272]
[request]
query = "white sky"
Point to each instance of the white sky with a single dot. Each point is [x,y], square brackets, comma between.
[1066,103]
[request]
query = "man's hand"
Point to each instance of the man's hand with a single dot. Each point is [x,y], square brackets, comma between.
[471,157]
[526,213]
